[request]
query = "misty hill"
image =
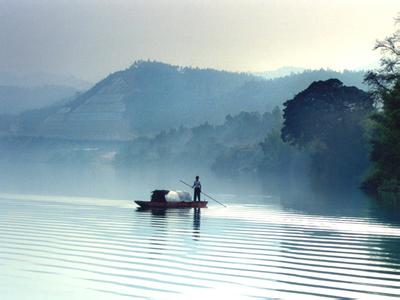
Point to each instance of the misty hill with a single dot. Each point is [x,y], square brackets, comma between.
[40,79]
[280,72]
[16,99]
[152,96]
[199,146]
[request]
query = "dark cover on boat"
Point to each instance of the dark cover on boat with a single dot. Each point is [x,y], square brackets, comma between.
[159,195]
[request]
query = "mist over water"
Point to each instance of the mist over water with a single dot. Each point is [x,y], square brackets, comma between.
[74,232]
[108,181]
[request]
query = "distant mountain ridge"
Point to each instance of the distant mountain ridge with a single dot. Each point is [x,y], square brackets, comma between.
[24,92]
[151,96]
[40,79]
[17,99]
[280,72]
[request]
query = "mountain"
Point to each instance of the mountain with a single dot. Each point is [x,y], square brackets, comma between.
[16,99]
[151,96]
[40,79]
[23,92]
[280,72]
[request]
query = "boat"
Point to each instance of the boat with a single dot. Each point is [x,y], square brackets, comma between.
[171,204]
[170,199]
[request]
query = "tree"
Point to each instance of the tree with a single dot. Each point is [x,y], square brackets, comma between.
[327,120]
[383,79]
[322,108]
[278,157]
[385,142]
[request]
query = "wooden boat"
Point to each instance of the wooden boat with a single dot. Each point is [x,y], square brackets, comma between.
[170,204]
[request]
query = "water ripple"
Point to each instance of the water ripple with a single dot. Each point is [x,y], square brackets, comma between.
[100,249]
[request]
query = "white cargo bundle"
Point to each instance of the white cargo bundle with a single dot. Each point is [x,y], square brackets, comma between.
[177,196]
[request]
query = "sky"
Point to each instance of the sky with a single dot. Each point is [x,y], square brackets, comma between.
[92,38]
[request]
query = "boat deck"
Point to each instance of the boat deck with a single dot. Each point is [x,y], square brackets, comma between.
[170,204]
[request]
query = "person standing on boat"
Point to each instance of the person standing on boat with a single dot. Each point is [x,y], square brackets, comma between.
[197,189]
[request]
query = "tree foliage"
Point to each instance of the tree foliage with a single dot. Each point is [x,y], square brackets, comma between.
[279,158]
[206,144]
[327,119]
[385,141]
[321,110]
[383,79]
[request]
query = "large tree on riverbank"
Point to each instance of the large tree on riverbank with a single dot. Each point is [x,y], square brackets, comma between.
[327,119]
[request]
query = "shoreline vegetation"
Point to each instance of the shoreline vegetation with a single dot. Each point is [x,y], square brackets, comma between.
[384,172]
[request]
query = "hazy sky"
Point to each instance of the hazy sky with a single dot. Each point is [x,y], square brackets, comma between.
[91,38]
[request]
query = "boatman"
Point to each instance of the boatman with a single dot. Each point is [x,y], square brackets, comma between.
[197,189]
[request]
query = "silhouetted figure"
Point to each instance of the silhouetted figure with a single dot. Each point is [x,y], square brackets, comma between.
[197,189]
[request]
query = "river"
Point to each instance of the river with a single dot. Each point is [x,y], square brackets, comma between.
[294,245]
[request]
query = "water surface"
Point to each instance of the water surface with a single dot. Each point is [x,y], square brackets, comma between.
[54,247]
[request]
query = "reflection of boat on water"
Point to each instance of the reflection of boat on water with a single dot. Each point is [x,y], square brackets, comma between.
[159,212]
[172,204]
[170,199]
